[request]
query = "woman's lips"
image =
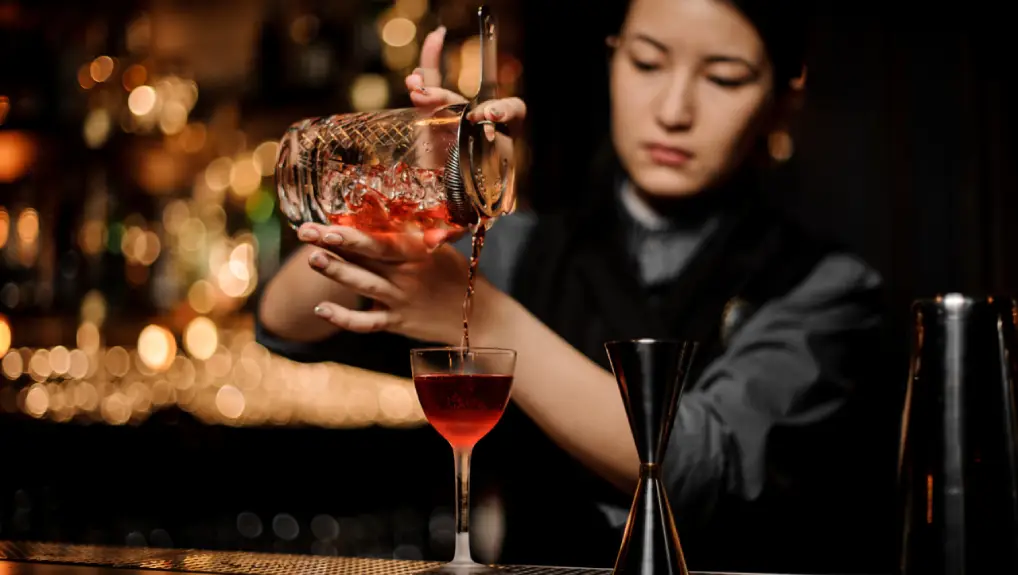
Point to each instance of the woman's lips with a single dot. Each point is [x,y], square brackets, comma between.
[670,156]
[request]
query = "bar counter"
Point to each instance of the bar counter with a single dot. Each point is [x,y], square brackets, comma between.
[22,558]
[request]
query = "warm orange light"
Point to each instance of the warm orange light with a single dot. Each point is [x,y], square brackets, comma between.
[117,362]
[245,176]
[13,365]
[5,335]
[142,100]
[413,9]
[37,400]
[157,347]
[399,57]
[238,383]
[88,337]
[134,76]
[101,68]
[230,402]
[85,77]
[399,32]
[201,338]
[264,157]
[192,139]
[60,360]
[17,154]
[5,226]
[470,67]
[28,226]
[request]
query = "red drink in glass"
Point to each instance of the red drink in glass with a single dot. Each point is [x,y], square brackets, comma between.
[463,408]
[463,392]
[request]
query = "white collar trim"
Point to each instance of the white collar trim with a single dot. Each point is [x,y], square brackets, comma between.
[640,210]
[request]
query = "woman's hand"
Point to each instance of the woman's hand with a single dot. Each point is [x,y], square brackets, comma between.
[414,288]
[411,284]
[426,91]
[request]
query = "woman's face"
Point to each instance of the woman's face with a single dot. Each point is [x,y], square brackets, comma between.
[691,88]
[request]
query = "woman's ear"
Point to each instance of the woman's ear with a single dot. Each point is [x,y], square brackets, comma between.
[796,95]
[611,44]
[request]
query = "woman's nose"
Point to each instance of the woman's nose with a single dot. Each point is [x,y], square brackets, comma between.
[676,103]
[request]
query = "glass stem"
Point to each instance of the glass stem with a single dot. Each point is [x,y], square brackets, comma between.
[462,554]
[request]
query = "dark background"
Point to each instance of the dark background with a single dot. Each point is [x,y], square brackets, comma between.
[904,151]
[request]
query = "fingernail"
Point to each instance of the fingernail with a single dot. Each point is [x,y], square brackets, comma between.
[308,234]
[334,239]
[422,90]
[319,260]
[495,113]
[440,30]
[322,311]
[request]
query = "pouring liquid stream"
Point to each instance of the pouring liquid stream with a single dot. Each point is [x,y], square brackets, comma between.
[476,245]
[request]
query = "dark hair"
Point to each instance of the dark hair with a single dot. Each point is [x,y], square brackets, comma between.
[782,24]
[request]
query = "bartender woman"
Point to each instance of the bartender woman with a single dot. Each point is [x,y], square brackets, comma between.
[675,240]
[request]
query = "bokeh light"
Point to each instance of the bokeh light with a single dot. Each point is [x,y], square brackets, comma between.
[5,226]
[172,222]
[369,92]
[399,32]
[412,9]
[101,69]
[157,347]
[201,338]
[142,100]
[135,75]
[5,335]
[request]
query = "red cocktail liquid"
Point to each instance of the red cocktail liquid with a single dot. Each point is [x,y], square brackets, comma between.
[395,199]
[378,214]
[463,407]
[388,200]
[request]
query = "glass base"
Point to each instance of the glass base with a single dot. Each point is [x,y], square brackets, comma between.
[463,568]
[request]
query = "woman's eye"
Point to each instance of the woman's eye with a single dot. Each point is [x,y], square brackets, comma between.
[727,82]
[644,66]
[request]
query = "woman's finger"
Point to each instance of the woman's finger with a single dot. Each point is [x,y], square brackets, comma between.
[428,76]
[357,279]
[387,248]
[431,97]
[436,237]
[346,241]
[431,57]
[504,111]
[358,321]
[431,78]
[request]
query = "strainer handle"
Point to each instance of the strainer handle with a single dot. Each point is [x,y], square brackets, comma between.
[488,89]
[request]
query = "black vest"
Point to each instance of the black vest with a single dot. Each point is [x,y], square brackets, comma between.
[576,276]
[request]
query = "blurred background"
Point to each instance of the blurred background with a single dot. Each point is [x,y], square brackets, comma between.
[138,217]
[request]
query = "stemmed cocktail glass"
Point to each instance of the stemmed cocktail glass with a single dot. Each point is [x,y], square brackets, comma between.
[463,393]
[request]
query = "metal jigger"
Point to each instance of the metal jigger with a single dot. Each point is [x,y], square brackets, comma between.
[651,374]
